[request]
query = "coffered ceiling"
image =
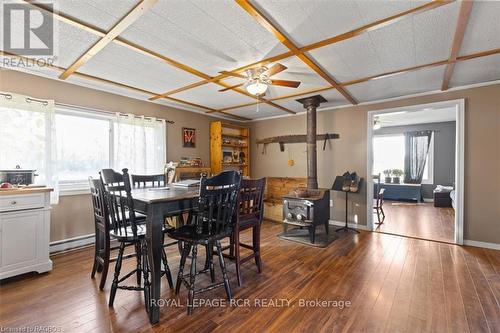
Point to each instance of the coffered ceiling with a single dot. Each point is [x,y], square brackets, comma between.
[351,51]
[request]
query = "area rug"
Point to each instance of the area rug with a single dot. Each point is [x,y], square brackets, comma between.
[302,236]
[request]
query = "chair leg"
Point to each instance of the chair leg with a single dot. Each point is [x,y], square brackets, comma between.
[210,250]
[378,215]
[231,244]
[138,257]
[256,247]
[192,279]
[237,256]
[224,272]
[383,213]
[96,254]
[118,267]
[327,226]
[180,275]
[145,273]
[105,266]
[167,269]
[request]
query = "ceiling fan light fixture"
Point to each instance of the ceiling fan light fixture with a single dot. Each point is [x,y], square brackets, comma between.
[256,88]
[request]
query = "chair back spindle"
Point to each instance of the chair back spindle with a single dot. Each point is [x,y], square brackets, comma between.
[251,199]
[118,193]
[141,181]
[217,203]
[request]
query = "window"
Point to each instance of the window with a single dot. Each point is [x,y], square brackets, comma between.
[389,153]
[82,147]
[88,142]
[85,142]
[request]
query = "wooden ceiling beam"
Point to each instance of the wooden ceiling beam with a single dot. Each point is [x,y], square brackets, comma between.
[271,27]
[375,77]
[463,19]
[125,86]
[350,34]
[117,29]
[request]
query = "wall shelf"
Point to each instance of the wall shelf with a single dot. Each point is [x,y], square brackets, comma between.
[228,141]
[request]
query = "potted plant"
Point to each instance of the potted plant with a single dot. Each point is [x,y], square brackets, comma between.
[397,173]
[387,174]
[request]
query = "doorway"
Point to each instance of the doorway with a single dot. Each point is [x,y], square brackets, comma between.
[416,171]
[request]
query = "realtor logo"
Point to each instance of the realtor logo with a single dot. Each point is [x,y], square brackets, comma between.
[27,31]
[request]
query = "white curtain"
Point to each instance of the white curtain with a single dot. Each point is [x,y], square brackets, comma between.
[28,138]
[140,144]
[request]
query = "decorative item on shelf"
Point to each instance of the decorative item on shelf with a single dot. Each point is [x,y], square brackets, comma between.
[236,156]
[188,137]
[387,174]
[226,141]
[242,157]
[227,157]
[190,162]
[397,173]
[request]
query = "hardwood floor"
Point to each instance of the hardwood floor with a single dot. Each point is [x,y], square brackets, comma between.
[393,284]
[420,220]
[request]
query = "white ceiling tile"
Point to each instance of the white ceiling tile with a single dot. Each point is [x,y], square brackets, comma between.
[103,14]
[476,70]
[332,96]
[424,80]
[350,59]
[120,64]
[181,106]
[209,36]
[374,10]
[209,95]
[89,83]
[254,112]
[308,21]
[73,42]
[434,31]
[483,29]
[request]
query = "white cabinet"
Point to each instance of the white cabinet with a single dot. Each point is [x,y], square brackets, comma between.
[24,234]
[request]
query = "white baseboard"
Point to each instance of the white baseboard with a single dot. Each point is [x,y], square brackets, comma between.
[350,225]
[71,243]
[493,246]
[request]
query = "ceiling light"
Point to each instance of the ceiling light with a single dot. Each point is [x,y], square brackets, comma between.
[256,88]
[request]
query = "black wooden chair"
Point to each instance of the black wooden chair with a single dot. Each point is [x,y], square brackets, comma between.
[378,206]
[213,222]
[248,216]
[142,181]
[102,225]
[126,229]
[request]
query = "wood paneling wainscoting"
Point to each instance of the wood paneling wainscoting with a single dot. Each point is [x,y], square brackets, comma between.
[393,284]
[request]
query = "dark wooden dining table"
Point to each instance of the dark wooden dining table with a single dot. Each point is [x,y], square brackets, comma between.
[156,204]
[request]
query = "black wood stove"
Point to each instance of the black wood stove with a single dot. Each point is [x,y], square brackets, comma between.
[308,207]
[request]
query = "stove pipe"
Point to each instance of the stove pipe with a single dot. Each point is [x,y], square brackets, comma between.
[310,104]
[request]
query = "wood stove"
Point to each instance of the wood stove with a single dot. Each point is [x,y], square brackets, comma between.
[308,207]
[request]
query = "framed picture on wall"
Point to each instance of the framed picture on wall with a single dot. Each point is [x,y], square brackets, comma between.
[188,137]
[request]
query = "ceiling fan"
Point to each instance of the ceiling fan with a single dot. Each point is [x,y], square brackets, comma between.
[378,122]
[258,79]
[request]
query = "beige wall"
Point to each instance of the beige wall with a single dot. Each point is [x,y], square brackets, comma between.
[72,217]
[482,155]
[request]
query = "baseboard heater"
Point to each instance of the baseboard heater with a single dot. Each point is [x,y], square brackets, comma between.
[71,243]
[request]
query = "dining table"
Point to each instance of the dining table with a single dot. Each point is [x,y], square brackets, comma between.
[156,204]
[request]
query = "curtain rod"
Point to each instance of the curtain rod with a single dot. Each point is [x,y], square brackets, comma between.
[28,99]
[44,102]
[110,112]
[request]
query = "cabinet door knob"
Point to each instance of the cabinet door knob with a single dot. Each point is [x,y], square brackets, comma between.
[13,202]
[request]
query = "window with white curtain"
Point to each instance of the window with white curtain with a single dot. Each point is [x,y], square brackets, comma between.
[84,142]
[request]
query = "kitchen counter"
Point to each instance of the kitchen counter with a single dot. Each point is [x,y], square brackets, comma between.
[25,190]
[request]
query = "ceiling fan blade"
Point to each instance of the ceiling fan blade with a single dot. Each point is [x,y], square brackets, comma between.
[275,69]
[233,74]
[285,83]
[229,88]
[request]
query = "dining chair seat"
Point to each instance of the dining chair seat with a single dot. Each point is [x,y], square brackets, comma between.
[126,234]
[188,233]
